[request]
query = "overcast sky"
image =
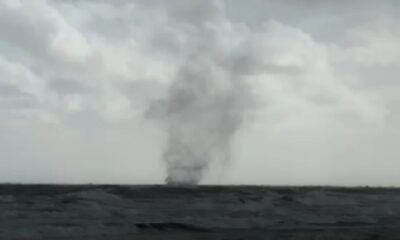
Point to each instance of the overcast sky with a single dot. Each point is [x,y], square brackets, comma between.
[77,77]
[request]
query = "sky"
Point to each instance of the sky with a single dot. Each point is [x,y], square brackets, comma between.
[77,80]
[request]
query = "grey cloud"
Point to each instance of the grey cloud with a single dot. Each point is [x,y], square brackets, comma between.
[195,12]
[326,21]
[68,86]
[12,98]
[251,64]
[8,90]
[18,104]
[380,76]
[21,31]
[23,103]
[393,107]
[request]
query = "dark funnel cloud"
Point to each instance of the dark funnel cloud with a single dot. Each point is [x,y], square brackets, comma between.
[208,100]
[205,108]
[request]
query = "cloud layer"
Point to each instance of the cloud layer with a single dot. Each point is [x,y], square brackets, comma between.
[77,78]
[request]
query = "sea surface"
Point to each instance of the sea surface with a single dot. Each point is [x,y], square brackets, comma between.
[119,212]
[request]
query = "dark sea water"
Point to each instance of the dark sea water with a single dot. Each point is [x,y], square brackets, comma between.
[205,212]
